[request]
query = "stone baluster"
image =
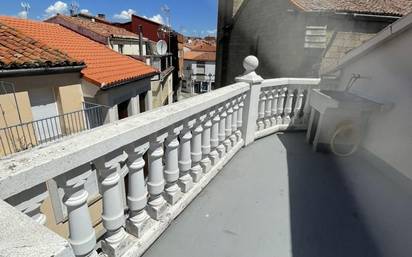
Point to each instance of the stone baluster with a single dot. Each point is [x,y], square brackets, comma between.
[261,112]
[109,169]
[206,144]
[233,137]
[30,201]
[185,161]
[281,105]
[124,170]
[275,104]
[155,181]
[82,237]
[288,106]
[196,151]
[228,127]
[139,220]
[241,100]
[172,191]
[214,137]
[268,108]
[298,107]
[221,149]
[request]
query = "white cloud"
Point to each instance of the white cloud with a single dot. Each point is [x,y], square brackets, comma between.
[158,18]
[22,14]
[85,11]
[57,7]
[124,15]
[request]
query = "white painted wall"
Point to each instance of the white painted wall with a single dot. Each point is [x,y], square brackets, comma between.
[130,49]
[210,68]
[390,70]
[385,207]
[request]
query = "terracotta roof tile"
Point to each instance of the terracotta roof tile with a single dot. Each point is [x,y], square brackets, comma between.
[105,67]
[17,51]
[200,56]
[100,27]
[383,7]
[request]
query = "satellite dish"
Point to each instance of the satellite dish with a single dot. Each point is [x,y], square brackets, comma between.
[161,47]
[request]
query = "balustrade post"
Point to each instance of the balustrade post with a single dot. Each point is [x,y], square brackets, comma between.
[214,137]
[268,108]
[155,181]
[138,221]
[281,105]
[298,107]
[221,149]
[233,137]
[196,151]
[288,107]
[185,160]
[275,104]
[172,192]
[240,117]
[251,105]
[261,113]
[82,237]
[108,167]
[228,127]
[206,144]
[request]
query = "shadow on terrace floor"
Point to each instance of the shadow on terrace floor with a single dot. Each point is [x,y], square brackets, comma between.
[324,215]
[275,198]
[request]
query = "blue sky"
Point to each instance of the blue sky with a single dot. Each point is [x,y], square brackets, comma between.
[190,17]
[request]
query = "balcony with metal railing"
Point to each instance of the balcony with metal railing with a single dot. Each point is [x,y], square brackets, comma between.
[227,173]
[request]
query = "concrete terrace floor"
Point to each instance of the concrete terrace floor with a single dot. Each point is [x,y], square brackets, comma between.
[275,198]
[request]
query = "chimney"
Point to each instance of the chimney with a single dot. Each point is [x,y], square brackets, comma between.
[140,29]
[101,16]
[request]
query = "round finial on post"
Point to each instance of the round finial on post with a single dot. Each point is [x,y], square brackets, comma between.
[250,63]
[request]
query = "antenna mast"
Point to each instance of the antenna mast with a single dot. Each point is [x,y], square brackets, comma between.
[74,8]
[26,7]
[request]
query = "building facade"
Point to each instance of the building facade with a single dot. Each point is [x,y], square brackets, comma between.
[295,38]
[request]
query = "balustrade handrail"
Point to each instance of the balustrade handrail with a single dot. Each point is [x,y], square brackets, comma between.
[290,81]
[31,168]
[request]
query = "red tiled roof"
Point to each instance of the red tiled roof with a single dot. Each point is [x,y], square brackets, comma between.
[17,51]
[105,67]
[200,56]
[383,7]
[201,45]
[100,27]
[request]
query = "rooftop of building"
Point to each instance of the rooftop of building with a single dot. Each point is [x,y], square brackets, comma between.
[95,25]
[18,51]
[200,56]
[381,7]
[105,67]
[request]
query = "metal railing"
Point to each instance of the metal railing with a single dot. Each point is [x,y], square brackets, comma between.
[27,135]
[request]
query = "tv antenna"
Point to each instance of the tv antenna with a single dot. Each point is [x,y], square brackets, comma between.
[74,8]
[166,10]
[26,7]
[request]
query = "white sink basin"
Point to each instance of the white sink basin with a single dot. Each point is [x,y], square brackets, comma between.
[324,99]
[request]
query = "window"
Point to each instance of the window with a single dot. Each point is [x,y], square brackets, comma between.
[200,68]
[315,37]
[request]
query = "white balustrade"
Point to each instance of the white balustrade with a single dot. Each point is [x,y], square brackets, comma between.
[172,190]
[155,181]
[268,108]
[206,144]
[288,107]
[261,113]
[214,137]
[193,139]
[228,127]
[185,159]
[81,233]
[233,137]
[109,169]
[196,151]
[221,149]
[138,221]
